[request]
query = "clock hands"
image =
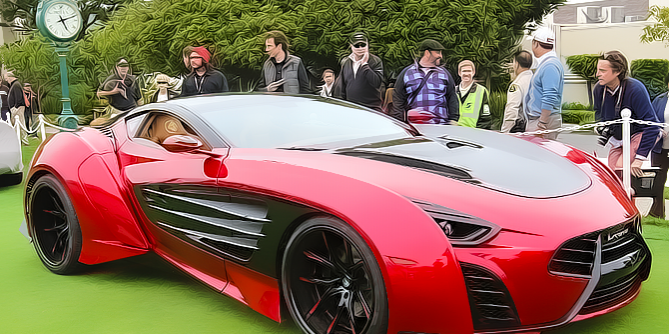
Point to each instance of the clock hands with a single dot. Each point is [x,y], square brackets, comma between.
[62,20]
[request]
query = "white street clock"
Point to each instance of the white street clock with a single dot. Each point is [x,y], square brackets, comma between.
[59,20]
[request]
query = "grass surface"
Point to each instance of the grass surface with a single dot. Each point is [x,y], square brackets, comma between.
[145,295]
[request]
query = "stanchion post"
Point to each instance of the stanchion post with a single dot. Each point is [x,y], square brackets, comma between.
[42,130]
[17,127]
[626,115]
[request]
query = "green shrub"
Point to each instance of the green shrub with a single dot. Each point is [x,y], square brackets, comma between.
[497,102]
[578,116]
[575,106]
[651,72]
[152,34]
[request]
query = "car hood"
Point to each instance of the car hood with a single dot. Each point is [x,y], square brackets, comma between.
[488,159]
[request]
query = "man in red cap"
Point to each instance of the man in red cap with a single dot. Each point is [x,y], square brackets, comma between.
[203,78]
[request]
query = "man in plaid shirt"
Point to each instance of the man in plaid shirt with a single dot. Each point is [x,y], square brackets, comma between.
[426,89]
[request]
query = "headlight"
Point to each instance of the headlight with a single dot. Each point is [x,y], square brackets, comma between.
[460,228]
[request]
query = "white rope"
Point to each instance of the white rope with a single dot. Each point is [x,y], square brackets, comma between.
[40,126]
[572,128]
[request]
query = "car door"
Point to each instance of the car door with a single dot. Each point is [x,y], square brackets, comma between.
[177,192]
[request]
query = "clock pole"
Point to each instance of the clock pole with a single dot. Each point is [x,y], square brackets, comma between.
[67,118]
[49,14]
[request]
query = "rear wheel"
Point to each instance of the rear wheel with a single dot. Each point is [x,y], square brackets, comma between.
[54,226]
[331,281]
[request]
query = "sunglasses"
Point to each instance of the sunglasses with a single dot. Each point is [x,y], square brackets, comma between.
[359,45]
[162,82]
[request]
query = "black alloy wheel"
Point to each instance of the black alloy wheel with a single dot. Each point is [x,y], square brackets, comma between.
[54,226]
[331,281]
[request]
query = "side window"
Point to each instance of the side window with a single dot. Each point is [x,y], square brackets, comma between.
[132,125]
[157,126]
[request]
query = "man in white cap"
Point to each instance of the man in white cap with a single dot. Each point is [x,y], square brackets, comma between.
[544,98]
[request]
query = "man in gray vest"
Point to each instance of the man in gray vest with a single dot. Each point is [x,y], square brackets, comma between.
[282,72]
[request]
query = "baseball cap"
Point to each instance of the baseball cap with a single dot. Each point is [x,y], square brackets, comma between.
[430,44]
[357,37]
[544,35]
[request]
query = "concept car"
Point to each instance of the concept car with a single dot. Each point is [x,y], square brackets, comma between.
[356,222]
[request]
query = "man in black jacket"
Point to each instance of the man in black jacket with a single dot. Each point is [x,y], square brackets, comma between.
[203,79]
[361,77]
[17,104]
[121,88]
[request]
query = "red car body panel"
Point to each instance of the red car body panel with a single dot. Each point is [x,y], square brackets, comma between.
[421,269]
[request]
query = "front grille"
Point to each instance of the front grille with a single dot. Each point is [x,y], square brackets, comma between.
[623,248]
[612,294]
[576,257]
[490,302]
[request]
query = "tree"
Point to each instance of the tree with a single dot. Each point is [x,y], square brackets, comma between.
[660,30]
[21,13]
[151,34]
[585,66]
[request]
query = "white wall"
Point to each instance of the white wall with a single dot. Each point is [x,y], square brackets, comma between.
[599,38]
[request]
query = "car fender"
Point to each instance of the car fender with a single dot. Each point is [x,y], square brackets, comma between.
[88,177]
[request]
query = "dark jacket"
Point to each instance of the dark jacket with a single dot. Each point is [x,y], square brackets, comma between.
[292,70]
[15,97]
[365,87]
[635,97]
[659,104]
[401,106]
[213,82]
[129,84]
[4,93]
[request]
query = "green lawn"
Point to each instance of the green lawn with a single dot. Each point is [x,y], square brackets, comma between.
[146,295]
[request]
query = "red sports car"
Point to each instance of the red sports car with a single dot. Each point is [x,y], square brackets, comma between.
[356,222]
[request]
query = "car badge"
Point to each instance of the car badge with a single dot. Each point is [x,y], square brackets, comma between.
[171,126]
[617,235]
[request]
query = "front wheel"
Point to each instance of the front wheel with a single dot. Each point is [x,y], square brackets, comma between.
[54,226]
[331,281]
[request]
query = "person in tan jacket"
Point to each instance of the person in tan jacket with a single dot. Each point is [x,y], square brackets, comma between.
[515,119]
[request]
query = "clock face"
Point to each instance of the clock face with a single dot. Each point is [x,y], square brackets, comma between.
[62,20]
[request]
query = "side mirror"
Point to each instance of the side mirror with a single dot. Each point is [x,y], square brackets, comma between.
[181,143]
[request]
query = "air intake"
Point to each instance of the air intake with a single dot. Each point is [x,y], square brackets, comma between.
[575,257]
[491,304]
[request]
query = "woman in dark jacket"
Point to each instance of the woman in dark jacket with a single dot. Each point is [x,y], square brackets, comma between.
[659,155]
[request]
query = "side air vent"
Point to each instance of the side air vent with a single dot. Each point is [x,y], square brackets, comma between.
[575,257]
[107,131]
[220,223]
[490,302]
[426,166]
[460,228]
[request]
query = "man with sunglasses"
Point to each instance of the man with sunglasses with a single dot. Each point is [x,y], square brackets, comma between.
[361,78]
[426,89]
[203,78]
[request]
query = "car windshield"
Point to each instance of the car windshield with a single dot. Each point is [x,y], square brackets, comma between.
[267,121]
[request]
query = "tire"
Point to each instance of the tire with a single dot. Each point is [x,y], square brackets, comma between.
[54,226]
[331,282]
[11,179]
